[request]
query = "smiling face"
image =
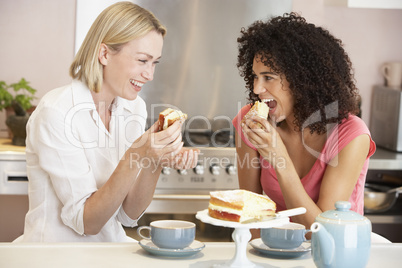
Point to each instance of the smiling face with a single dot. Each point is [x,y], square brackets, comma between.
[270,85]
[127,70]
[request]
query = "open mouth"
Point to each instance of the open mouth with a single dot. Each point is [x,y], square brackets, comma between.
[136,83]
[270,102]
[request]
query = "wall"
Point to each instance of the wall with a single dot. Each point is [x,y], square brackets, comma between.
[371,37]
[37,43]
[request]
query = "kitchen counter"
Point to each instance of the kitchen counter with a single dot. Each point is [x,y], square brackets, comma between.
[122,255]
[385,160]
[11,152]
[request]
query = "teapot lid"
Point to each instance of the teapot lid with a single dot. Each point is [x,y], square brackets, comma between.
[342,212]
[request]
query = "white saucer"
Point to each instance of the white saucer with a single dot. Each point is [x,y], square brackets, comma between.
[150,247]
[282,253]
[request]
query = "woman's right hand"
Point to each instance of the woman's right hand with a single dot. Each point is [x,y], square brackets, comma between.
[157,147]
[266,140]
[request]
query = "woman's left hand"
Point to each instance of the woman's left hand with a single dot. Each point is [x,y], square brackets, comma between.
[187,158]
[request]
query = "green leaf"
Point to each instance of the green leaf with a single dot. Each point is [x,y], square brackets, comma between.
[24,97]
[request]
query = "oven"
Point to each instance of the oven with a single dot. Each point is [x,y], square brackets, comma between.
[13,190]
[387,223]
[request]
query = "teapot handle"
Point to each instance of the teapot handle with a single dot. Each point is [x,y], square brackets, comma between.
[304,235]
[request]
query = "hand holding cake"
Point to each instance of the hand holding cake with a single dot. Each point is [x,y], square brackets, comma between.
[187,157]
[260,108]
[168,116]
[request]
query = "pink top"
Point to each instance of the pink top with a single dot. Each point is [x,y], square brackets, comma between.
[338,138]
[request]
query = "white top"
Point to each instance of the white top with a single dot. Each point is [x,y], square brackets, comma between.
[70,154]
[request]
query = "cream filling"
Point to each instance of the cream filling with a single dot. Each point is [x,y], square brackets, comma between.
[225,209]
[173,114]
[262,110]
[246,214]
[165,123]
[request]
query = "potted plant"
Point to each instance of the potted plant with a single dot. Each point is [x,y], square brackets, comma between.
[17,97]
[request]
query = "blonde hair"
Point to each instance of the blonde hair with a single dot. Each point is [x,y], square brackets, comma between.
[115,26]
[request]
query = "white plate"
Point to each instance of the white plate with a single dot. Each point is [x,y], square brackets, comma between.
[150,247]
[270,222]
[282,253]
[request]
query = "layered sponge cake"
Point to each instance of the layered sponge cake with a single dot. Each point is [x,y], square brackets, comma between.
[260,108]
[240,206]
[168,116]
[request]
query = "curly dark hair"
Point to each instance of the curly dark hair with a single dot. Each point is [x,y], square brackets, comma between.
[313,61]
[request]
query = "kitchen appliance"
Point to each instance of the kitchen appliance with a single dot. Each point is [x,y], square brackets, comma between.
[197,73]
[386,118]
[13,190]
[386,223]
[187,191]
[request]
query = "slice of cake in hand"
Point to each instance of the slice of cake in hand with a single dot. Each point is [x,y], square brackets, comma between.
[260,109]
[168,116]
[240,206]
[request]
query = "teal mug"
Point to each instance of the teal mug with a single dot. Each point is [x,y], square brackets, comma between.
[171,234]
[288,236]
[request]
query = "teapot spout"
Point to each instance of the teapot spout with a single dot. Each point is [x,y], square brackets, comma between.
[323,244]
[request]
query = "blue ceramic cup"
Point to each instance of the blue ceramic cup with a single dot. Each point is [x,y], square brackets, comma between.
[172,234]
[288,236]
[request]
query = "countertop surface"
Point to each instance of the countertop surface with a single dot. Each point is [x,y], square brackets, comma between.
[11,152]
[5,145]
[385,160]
[122,255]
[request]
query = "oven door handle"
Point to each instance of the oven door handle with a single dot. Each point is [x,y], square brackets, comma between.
[180,197]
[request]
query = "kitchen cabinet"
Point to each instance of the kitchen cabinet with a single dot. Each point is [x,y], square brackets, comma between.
[385,4]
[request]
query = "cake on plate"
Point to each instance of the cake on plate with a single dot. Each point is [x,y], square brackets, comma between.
[240,206]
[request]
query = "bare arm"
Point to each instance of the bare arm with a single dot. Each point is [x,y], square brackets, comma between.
[337,184]
[248,171]
[142,191]
[101,205]
[247,167]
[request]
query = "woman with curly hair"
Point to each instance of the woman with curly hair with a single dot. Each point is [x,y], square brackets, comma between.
[312,150]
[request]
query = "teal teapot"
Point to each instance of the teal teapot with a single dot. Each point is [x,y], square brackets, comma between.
[341,238]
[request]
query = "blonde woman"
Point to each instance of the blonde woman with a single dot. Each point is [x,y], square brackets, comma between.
[91,166]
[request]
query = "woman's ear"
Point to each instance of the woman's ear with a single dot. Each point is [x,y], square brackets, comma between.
[103,54]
